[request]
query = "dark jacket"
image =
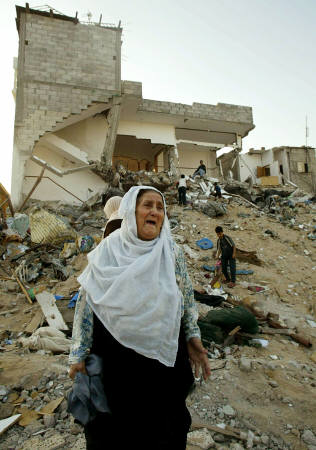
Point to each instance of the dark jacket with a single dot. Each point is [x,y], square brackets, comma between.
[201,166]
[87,396]
[228,239]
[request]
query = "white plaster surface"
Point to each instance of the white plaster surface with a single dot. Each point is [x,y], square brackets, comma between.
[88,135]
[249,162]
[157,132]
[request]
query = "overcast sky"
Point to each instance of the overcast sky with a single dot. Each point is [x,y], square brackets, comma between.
[258,53]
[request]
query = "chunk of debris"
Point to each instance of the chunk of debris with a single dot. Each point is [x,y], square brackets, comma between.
[52,314]
[47,338]
[48,228]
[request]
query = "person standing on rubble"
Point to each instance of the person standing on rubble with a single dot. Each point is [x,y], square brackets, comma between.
[136,310]
[226,249]
[201,170]
[182,190]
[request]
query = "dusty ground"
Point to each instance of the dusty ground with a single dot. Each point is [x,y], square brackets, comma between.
[275,397]
[290,276]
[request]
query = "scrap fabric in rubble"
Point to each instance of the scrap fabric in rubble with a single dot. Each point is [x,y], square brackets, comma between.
[260,334]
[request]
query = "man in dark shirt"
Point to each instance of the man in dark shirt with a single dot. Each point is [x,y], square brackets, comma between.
[201,170]
[227,249]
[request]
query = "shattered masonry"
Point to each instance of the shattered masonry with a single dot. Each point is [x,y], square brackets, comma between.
[279,165]
[73,109]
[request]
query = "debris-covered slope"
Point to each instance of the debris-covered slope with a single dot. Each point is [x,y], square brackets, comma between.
[265,396]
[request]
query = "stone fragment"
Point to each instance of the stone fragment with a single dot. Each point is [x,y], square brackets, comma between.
[245,364]
[265,439]
[24,394]
[11,286]
[33,427]
[229,411]
[63,415]
[201,438]
[313,357]
[250,439]
[308,437]
[3,390]
[49,420]
[236,446]
[270,365]
[6,410]
[218,437]
[75,429]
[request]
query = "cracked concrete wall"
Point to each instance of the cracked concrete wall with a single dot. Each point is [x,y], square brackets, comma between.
[63,68]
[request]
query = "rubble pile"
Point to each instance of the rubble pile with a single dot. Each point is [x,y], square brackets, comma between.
[44,418]
[260,394]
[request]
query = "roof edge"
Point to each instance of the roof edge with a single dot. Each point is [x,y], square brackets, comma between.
[27,10]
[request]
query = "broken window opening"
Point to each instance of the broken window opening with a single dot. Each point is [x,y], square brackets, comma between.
[263,171]
[302,167]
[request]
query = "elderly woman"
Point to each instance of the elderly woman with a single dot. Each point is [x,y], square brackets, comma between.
[136,309]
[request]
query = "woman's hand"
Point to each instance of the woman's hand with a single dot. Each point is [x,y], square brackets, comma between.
[79,367]
[198,358]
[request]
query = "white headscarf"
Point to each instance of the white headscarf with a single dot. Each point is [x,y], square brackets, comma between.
[111,207]
[131,286]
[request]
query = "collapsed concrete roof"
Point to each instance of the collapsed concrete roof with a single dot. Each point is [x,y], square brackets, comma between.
[218,124]
[72,108]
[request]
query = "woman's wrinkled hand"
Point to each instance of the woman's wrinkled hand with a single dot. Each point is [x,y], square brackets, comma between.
[198,358]
[79,367]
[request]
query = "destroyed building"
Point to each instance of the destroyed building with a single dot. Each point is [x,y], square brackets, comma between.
[279,165]
[72,108]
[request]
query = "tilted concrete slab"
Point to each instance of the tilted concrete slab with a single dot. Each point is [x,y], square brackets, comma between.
[64,148]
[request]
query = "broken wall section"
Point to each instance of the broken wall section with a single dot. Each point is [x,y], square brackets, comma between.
[65,149]
[63,68]
[298,165]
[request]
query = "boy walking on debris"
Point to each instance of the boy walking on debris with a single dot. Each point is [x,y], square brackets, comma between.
[182,189]
[227,249]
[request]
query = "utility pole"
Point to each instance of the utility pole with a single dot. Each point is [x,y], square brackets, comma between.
[306,131]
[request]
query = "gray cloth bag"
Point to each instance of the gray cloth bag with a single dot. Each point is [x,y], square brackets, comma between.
[87,396]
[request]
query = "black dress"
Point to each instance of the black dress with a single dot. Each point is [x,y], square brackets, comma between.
[147,398]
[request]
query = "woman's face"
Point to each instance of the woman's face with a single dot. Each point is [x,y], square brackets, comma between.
[149,215]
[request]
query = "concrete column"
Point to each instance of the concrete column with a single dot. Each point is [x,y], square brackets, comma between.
[174,161]
[213,169]
[113,121]
[166,159]
[18,169]
[285,165]
[238,167]
[239,142]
